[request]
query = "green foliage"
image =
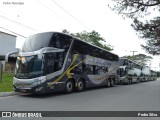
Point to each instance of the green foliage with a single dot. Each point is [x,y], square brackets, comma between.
[91,37]
[134,8]
[140,59]
[149,30]
[6,85]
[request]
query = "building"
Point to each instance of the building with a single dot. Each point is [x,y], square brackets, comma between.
[7,44]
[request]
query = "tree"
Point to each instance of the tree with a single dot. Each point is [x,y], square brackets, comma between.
[149,30]
[141,59]
[91,37]
[134,8]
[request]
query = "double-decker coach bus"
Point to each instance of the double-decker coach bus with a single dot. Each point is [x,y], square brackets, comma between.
[53,61]
[130,72]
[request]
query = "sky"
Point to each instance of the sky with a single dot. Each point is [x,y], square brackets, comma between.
[27,17]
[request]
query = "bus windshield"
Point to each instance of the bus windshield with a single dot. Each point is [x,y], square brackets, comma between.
[28,67]
[122,72]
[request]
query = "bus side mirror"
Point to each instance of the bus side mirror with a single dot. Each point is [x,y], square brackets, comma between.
[8,55]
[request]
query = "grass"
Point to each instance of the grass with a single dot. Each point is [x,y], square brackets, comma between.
[6,84]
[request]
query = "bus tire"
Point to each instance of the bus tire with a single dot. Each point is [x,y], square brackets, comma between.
[112,83]
[108,83]
[131,82]
[128,82]
[137,81]
[80,85]
[69,86]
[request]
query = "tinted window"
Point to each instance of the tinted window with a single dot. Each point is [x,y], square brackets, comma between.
[88,69]
[81,47]
[96,70]
[48,39]
[28,67]
[77,70]
[125,62]
[37,41]
[92,69]
[53,62]
[121,61]
[60,41]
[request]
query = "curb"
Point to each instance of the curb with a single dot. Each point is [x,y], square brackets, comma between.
[4,94]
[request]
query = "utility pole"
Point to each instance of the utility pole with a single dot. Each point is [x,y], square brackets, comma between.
[133,52]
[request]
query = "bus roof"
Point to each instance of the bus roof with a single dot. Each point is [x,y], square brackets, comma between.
[75,38]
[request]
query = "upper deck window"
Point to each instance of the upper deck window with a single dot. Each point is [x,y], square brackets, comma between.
[48,39]
[81,47]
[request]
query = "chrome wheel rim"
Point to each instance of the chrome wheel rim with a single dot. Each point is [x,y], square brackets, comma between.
[69,86]
[80,85]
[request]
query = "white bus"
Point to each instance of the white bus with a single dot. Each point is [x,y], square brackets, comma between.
[146,74]
[53,61]
[130,72]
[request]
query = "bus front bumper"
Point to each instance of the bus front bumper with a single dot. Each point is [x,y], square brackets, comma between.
[36,89]
[39,89]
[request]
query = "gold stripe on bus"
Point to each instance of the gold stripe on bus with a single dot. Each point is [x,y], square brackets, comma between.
[67,72]
[102,78]
[75,56]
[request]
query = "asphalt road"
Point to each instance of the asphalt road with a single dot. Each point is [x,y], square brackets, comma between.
[136,97]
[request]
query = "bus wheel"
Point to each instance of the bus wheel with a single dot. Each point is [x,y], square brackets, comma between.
[131,81]
[137,81]
[108,83]
[112,83]
[80,85]
[69,86]
[128,82]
